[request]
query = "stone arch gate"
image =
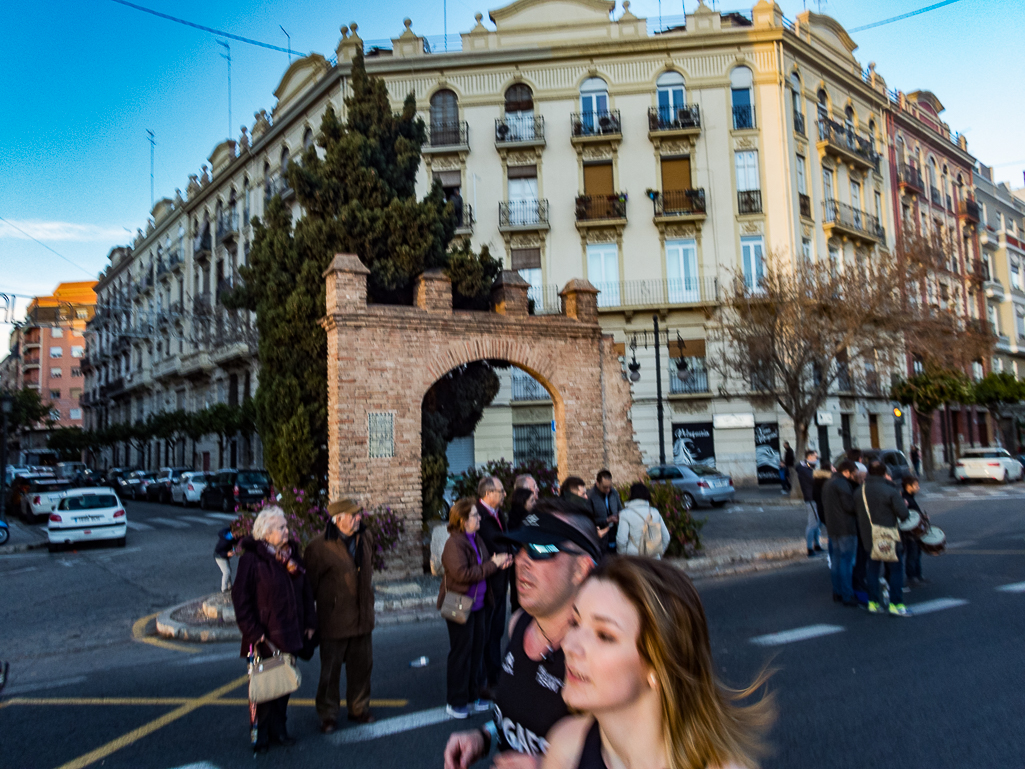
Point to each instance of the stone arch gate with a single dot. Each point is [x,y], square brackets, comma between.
[382,360]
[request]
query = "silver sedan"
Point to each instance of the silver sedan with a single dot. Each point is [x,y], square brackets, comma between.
[702,486]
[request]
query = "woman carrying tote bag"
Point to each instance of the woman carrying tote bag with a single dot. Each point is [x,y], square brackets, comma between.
[275,612]
[467,566]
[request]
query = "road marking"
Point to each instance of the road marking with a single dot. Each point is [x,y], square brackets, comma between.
[156,701]
[938,604]
[215,657]
[203,765]
[136,526]
[965,543]
[20,571]
[1016,587]
[170,522]
[390,726]
[139,634]
[798,634]
[197,519]
[25,688]
[158,723]
[222,516]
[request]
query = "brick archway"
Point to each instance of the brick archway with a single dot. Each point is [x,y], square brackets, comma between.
[382,360]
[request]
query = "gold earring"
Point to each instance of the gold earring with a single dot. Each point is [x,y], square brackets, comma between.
[652,681]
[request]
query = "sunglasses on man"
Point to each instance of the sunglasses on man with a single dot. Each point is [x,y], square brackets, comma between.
[547,552]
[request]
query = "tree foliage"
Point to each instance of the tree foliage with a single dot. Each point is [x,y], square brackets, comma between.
[357,193]
[27,409]
[927,392]
[1002,393]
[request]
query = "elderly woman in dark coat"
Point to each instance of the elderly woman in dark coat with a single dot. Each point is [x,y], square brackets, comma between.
[275,611]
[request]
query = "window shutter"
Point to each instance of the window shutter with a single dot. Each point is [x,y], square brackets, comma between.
[675,174]
[523,172]
[598,179]
[526,258]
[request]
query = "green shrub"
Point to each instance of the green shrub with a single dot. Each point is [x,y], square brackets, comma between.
[684,530]
[465,484]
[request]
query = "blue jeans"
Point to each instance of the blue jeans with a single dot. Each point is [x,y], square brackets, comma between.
[895,581]
[811,530]
[842,551]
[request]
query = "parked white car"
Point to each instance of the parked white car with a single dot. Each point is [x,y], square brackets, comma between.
[186,490]
[988,464]
[87,515]
[41,498]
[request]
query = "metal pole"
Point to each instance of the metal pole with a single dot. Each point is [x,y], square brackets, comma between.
[227,57]
[152,144]
[658,395]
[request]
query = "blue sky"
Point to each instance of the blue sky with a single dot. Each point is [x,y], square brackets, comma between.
[83,82]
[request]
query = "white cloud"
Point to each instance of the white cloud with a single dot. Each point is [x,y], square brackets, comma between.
[61,231]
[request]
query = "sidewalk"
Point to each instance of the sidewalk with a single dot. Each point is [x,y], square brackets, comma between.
[23,537]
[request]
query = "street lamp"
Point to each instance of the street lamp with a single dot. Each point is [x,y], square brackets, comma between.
[6,406]
[682,373]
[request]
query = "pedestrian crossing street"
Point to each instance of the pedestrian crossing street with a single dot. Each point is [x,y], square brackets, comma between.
[181,521]
[917,609]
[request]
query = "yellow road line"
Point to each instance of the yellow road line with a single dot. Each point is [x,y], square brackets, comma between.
[146,729]
[139,634]
[114,701]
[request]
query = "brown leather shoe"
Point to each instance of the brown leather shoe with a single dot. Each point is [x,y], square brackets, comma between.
[363,718]
[326,727]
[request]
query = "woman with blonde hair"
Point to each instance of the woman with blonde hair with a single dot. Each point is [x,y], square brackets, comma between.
[639,665]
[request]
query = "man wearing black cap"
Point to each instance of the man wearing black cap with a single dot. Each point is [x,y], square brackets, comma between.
[555,551]
[339,566]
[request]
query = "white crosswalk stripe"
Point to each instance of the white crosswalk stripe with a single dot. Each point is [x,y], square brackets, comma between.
[136,526]
[222,516]
[938,604]
[797,634]
[170,522]
[204,521]
[389,726]
[1016,587]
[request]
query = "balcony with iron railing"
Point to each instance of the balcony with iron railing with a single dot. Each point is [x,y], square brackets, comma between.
[749,201]
[804,202]
[227,227]
[591,126]
[679,204]
[524,130]
[601,208]
[523,215]
[909,178]
[277,185]
[850,221]
[526,388]
[464,220]
[936,197]
[658,293]
[968,209]
[743,117]
[174,258]
[201,245]
[845,144]
[674,121]
[799,124]
[447,136]
[695,380]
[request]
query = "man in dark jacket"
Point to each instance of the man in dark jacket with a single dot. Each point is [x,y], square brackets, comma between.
[841,522]
[606,506]
[493,524]
[339,564]
[885,507]
[786,467]
[806,477]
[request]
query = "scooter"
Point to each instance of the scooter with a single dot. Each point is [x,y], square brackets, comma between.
[5,533]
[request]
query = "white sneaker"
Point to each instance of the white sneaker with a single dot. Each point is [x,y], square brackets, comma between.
[480,706]
[457,712]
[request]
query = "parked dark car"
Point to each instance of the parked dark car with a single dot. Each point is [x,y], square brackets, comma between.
[159,490]
[896,463]
[232,489]
[137,481]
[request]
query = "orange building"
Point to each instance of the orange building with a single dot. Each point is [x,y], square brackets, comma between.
[50,345]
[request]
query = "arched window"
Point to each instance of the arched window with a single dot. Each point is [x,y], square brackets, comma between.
[233,209]
[741,81]
[220,220]
[284,160]
[932,176]
[246,201]
[797,101]
[268,183]
[519,122]
[307,139]
[823,105]
[672,98]
[594,104]
[444,119]
[848,124]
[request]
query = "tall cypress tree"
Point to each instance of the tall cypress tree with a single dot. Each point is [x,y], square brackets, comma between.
[358,198]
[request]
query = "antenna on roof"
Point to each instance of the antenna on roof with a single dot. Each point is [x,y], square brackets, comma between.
[289,43]
[227,56]
[152,145]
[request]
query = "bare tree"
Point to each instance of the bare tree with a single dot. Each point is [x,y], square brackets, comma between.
[801,332]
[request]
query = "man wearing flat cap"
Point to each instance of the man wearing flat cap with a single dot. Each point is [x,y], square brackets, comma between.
[339,566]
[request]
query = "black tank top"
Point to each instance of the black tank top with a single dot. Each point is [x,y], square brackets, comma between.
[590,757]
[529,698]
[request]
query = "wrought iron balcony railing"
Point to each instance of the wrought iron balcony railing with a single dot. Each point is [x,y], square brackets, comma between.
[909,176]
[805,203]
[599,207]
[448,134]
[743,116]
[674,118]
[596,123]
[519,128]
[749,201]
[680,203]
[852,219]
[846,140]
[523,213]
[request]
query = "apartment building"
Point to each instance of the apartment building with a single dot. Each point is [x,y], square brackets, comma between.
[657,163]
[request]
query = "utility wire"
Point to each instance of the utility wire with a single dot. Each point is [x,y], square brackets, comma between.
[37,240]
[211,30]
[887,21]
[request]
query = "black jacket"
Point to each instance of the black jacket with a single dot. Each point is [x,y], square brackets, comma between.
[226,542]
[269,601]
[885,505]
[599,512]
[838,508]
[788,459]
[806,476]
[489,533]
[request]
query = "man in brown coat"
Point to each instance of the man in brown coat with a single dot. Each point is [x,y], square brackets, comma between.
[339,567]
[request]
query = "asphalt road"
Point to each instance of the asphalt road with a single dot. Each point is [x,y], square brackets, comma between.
[942,689]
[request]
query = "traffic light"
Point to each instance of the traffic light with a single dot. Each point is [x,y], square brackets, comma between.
[898,416]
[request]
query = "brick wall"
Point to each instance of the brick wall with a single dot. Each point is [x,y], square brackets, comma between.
[382,360]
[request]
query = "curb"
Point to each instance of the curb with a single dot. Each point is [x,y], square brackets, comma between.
[12,549]
[728,566]
[170,628]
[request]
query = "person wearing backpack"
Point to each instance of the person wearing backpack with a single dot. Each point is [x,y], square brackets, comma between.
[641,528]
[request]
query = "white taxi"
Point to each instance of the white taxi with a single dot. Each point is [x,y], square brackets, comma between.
[87,515]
